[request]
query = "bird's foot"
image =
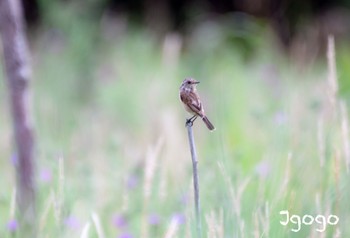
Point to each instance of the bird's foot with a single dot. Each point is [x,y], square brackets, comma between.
[189,122]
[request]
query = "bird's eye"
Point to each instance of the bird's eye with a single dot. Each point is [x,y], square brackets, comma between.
[188,82]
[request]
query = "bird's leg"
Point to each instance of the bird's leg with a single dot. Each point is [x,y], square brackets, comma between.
[189,122]
[193,118]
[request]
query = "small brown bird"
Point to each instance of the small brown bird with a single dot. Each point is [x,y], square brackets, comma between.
[192,102]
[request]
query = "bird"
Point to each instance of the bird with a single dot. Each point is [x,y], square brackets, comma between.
[192,103]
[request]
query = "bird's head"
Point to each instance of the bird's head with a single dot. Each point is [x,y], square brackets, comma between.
[189,83]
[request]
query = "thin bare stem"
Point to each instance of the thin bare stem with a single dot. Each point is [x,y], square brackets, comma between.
[195,176]
[16,65]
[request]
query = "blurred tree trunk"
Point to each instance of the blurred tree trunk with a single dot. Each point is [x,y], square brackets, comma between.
[14,46]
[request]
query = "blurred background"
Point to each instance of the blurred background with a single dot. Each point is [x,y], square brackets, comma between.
[112,154]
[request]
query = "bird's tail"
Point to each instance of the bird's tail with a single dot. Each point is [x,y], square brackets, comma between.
[208,123]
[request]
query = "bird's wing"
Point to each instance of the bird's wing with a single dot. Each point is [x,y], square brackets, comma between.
[192,102]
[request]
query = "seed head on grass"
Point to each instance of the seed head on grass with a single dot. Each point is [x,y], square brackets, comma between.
[150,170]
[215,223]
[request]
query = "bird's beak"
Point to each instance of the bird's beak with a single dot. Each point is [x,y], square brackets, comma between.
[196,82]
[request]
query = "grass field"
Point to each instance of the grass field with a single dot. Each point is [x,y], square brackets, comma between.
[112,151]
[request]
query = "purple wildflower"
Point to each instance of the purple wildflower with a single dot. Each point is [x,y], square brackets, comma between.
[184,199]
[45,175]
[72,223]
[132,182]
[154,219]
[125,235]
[263,169]
[280,118]
[14,159]
[180,218]
[12,225]
[119,221]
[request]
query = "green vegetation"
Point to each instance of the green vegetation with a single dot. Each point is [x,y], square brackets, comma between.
[112,150]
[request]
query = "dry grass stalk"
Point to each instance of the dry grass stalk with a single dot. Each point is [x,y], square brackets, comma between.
[332,72]
[58,201]
[345,134]
[215,224]
[85,232]
[321,141]
[318,203]
[336,170]
[97,223]
[163,185]
[287,173]
[284,185]
[13,203]
[125,197]
[188,213]
[49,204]
[150,170]
[236,196]
[256,232]
[172,229]
[264,218]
